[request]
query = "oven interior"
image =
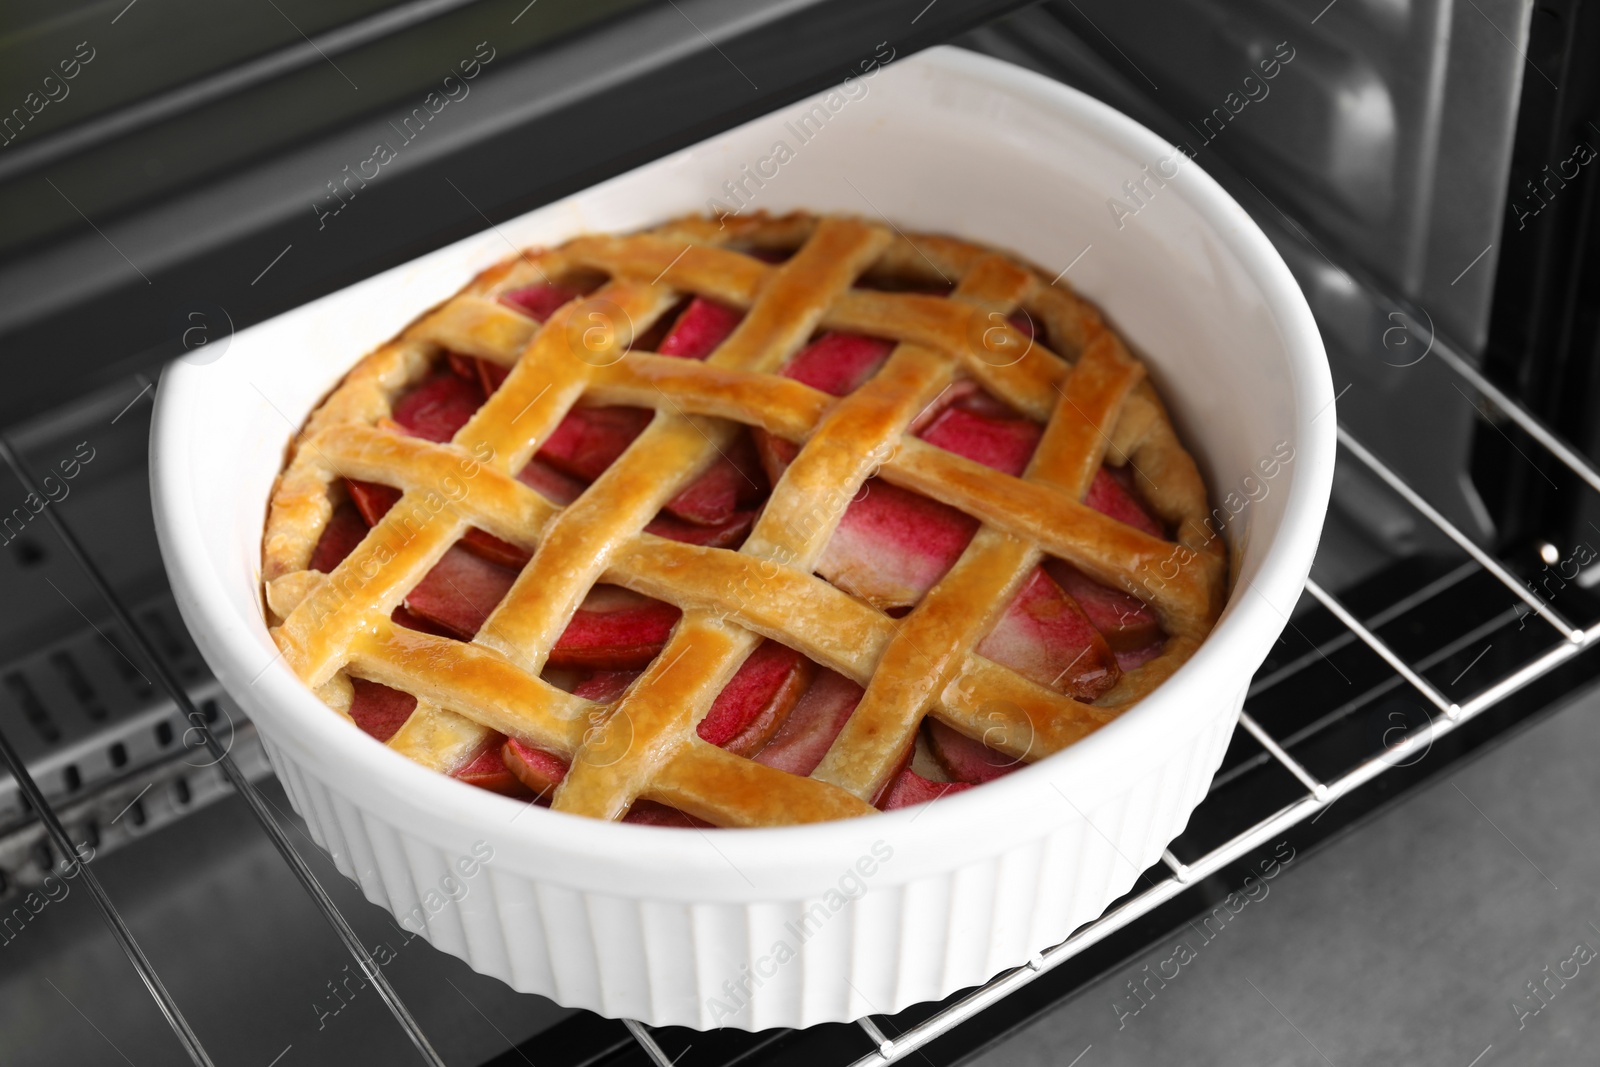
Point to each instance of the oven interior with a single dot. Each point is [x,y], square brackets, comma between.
[1400,158]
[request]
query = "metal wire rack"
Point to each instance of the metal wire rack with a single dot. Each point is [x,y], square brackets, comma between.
[1315,792]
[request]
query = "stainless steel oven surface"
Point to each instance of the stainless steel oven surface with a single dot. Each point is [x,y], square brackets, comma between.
[1396,861]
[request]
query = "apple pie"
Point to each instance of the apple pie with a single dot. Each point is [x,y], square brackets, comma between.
[742,522]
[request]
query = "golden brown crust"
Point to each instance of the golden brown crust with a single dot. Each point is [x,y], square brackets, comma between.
[1093,396]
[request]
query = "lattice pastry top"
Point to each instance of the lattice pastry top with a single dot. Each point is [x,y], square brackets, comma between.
[747,524]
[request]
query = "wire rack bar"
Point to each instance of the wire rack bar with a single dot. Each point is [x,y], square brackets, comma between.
[879,1038]
[1415,745]
[1180,870]
[1450,530]
[108,911]
[1381,647]
[1345,637]
[1380,690]
[242,785]
[1293,766]
[647,1041]
[1530,672]
[1570,457]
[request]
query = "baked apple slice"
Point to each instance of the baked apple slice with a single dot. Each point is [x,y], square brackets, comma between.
[378,709]
[1111,493]
[703,326]
[1127,622]
[438,407]
[540,301]
[812,724]
[1046,637]
[488,770]
[614,629]
[909,787]
[757,699]
[964,759]
[344,532]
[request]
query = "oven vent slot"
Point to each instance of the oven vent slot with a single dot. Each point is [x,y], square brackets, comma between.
[94,718]
[77,684]
[33,708]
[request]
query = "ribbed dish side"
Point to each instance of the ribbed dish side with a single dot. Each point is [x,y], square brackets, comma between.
[773,963]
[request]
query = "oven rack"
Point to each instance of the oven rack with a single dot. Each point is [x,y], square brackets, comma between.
[1317,794]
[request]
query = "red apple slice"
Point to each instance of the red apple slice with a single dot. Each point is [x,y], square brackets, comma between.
[540,301]
[460,591]
[711,498]
[589,440]
[551,483]
[379,710]
[541,772]
[735,479]
[757,699]
[605,686]
[729,534]
[614,629]
[489,770]
[1006,444]
[372,499]
[1110,494]
[776,454]
[649,813]
[401,617]
[375,500]
[964,759]
[838,363]
[494,550]
[958,391]
[703,326]
[465,367]
[339,538]
[491,375]
[438,407]
[812,724]
[911,788]
[535,768]
[1138,657]
[1046,637]
[1126,621]
[893,545]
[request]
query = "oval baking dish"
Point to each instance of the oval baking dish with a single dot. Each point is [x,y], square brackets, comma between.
[835,920]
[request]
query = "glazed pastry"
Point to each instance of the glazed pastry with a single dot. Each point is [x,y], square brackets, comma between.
[750,523]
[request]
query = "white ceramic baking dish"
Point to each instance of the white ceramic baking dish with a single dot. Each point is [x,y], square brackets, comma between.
[830,922]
